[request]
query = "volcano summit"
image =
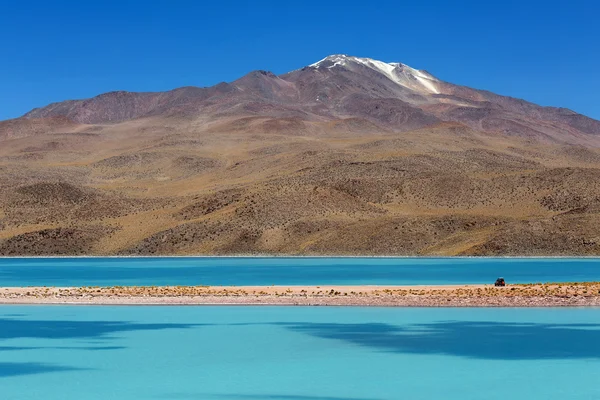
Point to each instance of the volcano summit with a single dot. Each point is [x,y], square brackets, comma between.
[348,155]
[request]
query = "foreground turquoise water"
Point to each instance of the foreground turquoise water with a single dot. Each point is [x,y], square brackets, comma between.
[295,353]
[290,271]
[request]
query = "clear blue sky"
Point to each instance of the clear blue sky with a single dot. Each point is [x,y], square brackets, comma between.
[547,52]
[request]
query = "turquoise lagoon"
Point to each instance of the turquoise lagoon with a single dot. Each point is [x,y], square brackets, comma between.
[291,271]
[297,353]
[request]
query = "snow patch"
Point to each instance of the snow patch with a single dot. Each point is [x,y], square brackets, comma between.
[425,79]
[336,60]
[398,73]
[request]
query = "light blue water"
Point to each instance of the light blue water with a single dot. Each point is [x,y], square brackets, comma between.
[296,353]
[290,271]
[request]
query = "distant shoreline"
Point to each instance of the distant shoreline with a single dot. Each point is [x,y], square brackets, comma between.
[585,294]
[259,256]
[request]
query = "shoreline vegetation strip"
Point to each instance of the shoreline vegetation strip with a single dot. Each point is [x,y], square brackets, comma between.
[517,295]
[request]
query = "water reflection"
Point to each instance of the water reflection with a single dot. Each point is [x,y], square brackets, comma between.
[17,369]
[11,328]
[484,340]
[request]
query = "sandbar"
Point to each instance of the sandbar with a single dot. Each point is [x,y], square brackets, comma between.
[584,294]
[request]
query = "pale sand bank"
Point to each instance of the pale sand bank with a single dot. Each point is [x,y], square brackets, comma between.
[538,295]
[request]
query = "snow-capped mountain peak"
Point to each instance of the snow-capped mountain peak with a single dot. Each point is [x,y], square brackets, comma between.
[398,73]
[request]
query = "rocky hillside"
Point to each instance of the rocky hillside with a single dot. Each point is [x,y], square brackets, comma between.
[346,156]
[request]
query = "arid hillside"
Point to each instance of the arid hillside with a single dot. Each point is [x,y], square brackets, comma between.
[345,157]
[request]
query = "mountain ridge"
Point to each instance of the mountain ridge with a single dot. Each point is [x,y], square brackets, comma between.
[328,89]
[350,156]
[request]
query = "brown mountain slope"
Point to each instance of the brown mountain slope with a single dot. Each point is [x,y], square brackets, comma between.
[21,127]
[347,156]
[394,96]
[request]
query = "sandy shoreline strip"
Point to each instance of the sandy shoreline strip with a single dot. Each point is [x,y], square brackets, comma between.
[585,294]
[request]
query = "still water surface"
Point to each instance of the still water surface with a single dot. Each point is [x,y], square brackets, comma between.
[290,271]
[297,353]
